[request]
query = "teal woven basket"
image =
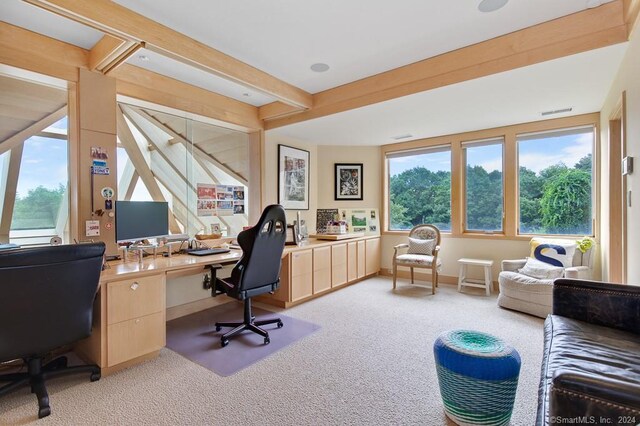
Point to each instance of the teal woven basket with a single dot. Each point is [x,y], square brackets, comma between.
[478,376]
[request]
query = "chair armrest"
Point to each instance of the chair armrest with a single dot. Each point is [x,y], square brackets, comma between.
[436,250]
[574,394]
[578,272]
[606,304]
[513,265]
[399,246]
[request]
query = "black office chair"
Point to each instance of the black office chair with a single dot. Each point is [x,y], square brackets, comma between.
[257,272]
[46,302]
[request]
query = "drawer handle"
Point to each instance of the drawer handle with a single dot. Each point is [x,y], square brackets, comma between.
[135,285]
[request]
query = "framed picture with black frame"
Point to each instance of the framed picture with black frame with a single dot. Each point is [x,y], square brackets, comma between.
[348,181]
[293,178]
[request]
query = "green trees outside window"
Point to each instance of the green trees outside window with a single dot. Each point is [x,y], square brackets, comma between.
[555,185]
[420,190]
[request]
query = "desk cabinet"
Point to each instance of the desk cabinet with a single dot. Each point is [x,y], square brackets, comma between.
[321,269]
[322,266]
[301,274]
[339,265]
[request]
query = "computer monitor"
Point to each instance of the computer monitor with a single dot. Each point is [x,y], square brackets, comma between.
[139,220]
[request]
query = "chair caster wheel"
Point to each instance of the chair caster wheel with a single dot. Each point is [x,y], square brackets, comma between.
[224,342]
[44,412]
[266,341]
[95,377]
[279,324]
[218,328]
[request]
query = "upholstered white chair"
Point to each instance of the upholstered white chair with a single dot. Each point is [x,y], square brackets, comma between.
[533,294]
[421,252]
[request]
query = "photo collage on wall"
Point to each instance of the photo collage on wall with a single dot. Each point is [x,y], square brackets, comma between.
[220,200]
[358,220]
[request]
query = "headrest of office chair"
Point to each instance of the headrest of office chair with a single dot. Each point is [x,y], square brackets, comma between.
[33,256]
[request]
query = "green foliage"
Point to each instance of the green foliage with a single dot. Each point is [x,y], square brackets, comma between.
[484,199]
[38,209]
[420,196]
[566,202]
[557,200]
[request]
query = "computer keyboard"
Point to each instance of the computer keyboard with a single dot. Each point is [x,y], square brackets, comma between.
[207,252]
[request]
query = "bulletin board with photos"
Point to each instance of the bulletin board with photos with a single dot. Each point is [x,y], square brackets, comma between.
[365,220]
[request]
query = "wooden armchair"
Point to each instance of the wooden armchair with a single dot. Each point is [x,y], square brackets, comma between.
[422,252]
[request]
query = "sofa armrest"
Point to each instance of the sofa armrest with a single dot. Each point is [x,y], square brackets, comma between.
[578,272]
[606,304]
[513,265]
[574,395]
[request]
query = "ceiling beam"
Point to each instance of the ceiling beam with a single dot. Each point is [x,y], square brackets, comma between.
[32,130]
[200,154]
[118,21]
[34,52]
[631,12]
[139,83]
[568,35]
[111,52]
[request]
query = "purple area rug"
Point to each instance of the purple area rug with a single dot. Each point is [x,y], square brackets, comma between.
[195,338]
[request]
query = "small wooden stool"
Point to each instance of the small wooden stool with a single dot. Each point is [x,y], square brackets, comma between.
[464,281]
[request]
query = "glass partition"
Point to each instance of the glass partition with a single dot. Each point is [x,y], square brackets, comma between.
[199,168]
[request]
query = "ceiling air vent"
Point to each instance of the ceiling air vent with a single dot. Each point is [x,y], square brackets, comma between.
[408,135]
[556,111]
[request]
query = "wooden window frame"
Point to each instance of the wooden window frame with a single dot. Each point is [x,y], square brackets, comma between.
[510,173]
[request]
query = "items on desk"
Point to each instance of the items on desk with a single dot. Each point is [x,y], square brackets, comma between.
[207,252]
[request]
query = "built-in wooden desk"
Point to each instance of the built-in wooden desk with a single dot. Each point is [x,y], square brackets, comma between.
[129,313]
[129,324]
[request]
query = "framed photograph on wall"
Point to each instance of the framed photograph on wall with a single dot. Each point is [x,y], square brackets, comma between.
[348,181]
[293,178]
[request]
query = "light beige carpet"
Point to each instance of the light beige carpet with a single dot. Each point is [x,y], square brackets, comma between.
[370,364]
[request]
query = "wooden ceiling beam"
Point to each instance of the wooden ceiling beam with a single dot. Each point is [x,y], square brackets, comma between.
[110,52]
[631,12]
[568,35]
[118,21]
[34,52]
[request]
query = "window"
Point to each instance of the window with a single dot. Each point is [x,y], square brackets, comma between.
[420,188]
[41,207]
[556,182]
[484,193]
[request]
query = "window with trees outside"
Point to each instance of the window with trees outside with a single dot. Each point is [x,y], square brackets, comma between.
[556,182]
[420,188]
[484,193]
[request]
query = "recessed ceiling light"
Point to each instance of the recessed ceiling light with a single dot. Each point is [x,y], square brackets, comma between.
[143,57]
[491,5]
[319,67]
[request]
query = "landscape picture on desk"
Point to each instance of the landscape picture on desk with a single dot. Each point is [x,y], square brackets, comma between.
[359,220]
[220,200]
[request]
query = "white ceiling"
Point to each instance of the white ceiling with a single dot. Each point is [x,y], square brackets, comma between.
[357,38]
[55,26]
[580,81]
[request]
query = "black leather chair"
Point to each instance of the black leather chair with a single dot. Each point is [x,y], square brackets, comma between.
[46,302]
[257,272]
[591,362]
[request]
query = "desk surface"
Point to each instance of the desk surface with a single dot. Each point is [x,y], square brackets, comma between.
[120,270]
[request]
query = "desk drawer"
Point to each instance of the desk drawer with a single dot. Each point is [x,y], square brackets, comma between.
[136,337]
[134,298]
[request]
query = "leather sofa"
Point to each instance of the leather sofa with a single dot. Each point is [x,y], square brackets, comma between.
[591,362]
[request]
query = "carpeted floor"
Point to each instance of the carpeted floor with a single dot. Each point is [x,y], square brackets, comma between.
[371,363]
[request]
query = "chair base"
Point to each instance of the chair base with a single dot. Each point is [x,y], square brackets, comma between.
[249,323]
[37,374]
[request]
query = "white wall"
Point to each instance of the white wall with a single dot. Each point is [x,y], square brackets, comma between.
[627,80]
